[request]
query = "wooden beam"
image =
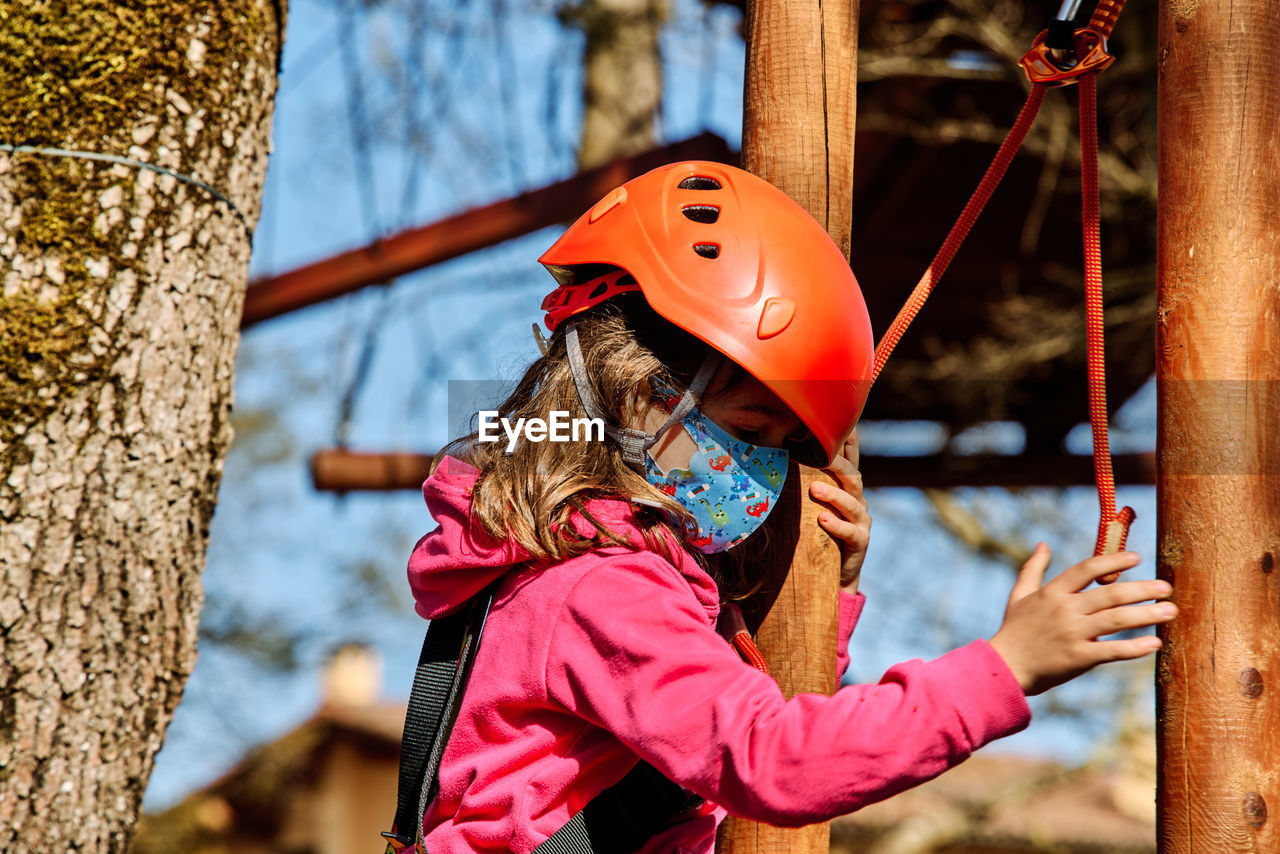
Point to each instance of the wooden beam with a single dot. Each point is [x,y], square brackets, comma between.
[1218,417]
[416,248]
[798,133]
[341,470]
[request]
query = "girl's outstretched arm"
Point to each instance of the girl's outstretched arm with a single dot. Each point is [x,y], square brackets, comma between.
[632,652]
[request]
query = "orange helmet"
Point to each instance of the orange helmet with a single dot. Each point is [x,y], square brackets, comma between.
[734,261]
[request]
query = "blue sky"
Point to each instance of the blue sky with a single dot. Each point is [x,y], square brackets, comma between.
[496,111]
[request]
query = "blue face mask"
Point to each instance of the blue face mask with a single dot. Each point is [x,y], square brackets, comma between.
[730,486]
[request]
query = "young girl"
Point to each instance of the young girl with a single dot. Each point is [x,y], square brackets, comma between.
[716,331]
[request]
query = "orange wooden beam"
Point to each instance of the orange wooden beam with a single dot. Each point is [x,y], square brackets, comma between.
[799,94]
[478,228]
[338,470]
[1218,410]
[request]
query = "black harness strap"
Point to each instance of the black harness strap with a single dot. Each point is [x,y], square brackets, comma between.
[617,821]
[448,651]
[622,818]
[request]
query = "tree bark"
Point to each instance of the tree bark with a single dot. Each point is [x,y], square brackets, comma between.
[122,292]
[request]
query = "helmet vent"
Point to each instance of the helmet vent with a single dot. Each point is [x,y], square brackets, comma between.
[707,250]
[701,213]
[598,290]
[699,182]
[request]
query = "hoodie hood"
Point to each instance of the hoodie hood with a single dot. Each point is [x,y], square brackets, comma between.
[458,559]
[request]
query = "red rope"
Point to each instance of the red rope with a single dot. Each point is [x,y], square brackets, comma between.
[1113,528]
[1104,17]
[749,652]
[960,230]
[733,627]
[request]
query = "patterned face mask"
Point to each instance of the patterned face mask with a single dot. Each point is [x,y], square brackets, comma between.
[730,486]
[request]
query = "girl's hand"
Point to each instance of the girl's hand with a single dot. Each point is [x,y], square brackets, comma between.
[850,523]
[1050,633]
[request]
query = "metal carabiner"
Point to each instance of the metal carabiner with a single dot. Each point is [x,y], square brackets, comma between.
[1043,67]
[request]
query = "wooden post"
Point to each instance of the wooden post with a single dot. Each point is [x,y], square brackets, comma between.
[798,127]
[1218,451]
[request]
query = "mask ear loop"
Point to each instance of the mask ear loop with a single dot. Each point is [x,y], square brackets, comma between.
[634,443]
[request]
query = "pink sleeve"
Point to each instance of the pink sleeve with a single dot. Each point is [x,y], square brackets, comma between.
[850,610]
[632,652]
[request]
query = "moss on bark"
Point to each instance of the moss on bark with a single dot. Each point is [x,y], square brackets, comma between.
[97,76]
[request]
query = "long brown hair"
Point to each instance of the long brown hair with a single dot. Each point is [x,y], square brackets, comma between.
[530,495]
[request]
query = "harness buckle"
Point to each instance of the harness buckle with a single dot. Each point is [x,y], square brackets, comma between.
[396,844]
[633,443]
[1043,68]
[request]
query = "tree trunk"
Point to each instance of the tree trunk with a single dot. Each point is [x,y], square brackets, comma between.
[122,291]
[622,76]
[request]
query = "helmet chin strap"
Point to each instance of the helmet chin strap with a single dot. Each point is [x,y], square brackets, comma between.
[634,443]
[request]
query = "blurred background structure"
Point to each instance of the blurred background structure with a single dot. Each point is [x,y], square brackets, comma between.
[323,788]
[396,118]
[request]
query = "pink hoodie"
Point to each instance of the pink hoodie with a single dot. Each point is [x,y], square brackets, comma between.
[592,662]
